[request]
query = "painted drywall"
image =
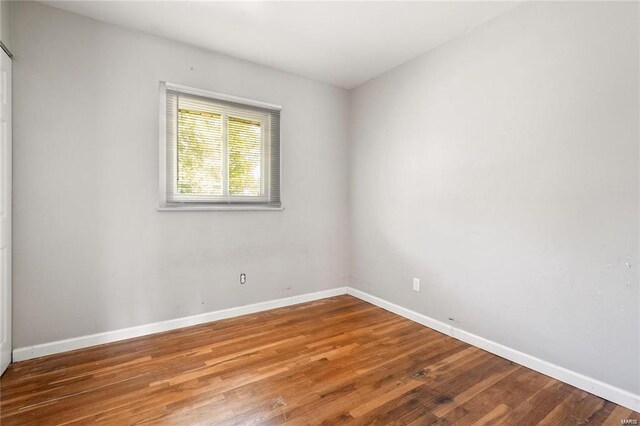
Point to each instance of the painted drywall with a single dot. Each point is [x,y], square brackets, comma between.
[6,23]
[91,252]
[502,170]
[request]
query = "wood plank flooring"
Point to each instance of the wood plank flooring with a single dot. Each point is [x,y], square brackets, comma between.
[336,360]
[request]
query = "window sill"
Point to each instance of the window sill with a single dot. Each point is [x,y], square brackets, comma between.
[218,208]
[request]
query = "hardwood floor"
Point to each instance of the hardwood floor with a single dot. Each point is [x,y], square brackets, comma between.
[336,360]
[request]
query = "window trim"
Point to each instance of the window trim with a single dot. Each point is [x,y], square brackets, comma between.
[166,205]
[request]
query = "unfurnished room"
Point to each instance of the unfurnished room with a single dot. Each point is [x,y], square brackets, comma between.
[319,212]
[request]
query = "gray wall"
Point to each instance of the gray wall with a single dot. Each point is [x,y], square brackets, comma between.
[6,23]
[91,253]
[502,170]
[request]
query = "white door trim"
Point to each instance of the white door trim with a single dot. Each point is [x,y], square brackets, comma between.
[5,210]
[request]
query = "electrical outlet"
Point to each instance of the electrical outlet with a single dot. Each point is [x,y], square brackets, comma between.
[243,278]
[416,284]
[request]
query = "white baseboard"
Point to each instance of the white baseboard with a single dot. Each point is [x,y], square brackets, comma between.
[591,385]
[29,352]
[596,387]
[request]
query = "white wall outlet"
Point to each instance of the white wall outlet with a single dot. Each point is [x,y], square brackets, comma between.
[416,284]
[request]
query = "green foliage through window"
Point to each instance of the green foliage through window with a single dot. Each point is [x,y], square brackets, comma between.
[244,157]
[208,165]
[200,161]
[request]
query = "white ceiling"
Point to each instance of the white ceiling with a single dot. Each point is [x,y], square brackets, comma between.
[341,43]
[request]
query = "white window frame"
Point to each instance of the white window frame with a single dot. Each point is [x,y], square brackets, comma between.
[181,202]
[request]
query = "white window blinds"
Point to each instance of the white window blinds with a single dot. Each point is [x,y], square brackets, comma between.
[218,150]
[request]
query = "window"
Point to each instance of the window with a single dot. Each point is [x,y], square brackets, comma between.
[217,151]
